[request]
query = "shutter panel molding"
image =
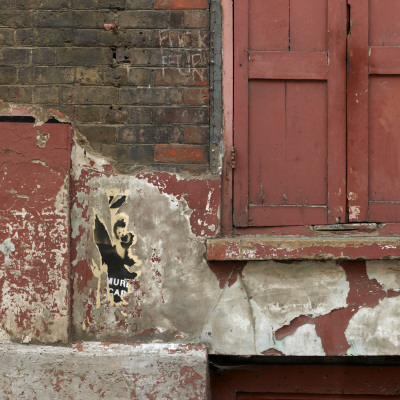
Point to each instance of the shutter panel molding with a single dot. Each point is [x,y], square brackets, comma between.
[289,112]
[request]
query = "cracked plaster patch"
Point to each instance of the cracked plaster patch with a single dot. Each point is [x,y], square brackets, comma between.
[230,327]
[28,275]
[375,331]
[7,248]
[304,341]
[387,273]
[41,138]
[174,273]
[4,337]
[281,292]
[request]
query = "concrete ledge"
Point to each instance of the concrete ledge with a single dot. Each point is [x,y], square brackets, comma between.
[104,371]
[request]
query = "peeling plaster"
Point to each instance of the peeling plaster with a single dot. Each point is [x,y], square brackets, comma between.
[41,139]
[281,292]
[7,248]
[83,160]
[304,341]
[258,308]
[41,114]
[180,298]
[375,331]
[165,302]
[230,326]
[267,307]
[93,371]
[35,217]
[387,273]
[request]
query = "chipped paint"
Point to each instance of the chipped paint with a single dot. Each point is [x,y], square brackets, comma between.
[240,308]
[354,213]
[41,138]
[280,293]
[305,337]
[235,307]
[172,251]
[364,293]
[375,330]
[290,247]
[93,371]
[387,273]
[34,231]
[352,196]
[7,248]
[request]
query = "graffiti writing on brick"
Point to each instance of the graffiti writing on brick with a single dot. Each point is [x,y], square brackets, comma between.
[116,248]
[188,60]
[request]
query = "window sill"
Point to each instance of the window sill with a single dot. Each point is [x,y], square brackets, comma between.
[303,248]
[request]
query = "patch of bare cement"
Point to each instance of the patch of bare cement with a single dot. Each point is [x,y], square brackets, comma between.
[375,331]
[386,272]
[281,292]
[176,290]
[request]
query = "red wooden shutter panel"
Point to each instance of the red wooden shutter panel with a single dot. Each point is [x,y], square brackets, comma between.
[291,130]
[290,112]
[374,106]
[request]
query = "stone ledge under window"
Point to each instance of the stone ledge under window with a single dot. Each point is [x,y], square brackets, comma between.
[303,248]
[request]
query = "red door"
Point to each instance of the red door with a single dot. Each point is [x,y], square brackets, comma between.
[306,154]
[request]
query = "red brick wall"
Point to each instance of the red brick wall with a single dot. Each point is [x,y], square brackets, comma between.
[139,91]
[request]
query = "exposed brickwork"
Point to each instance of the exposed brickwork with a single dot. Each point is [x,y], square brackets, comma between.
[138,90]
[181,4]
[196,135]
[180,154]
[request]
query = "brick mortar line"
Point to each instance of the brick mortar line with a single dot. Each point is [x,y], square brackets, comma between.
[106,46]
[69,85]
[128,124]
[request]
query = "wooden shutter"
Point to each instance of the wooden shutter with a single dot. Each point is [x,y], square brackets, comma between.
[290,112]
[373,106]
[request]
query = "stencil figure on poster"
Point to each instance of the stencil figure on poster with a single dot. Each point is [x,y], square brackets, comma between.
[116,250]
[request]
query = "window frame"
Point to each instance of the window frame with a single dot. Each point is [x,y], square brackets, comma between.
[345,241]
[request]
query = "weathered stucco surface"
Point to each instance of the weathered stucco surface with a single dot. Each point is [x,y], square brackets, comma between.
[171,298]
[175,295]
[258,307]
[281,292]
[268,296]
[104,371]
[387,273]
[34,232]
[376,330]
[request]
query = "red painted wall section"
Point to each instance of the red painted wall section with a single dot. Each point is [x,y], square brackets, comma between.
[34,231]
